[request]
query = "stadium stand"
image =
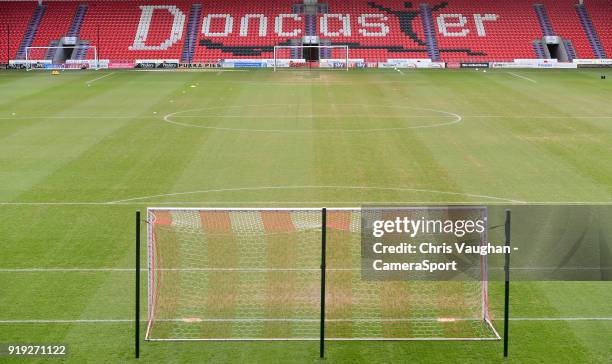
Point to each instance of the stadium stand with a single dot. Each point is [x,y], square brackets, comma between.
[601,13]
[374,30]
[250,38]
[506,30]
[591,32]
[565,23]
[20,27]
[54,24]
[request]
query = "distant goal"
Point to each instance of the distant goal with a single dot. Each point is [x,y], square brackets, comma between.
[257,274]
[331,57]
[65,57]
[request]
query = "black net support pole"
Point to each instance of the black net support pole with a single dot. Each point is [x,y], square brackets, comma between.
[507,282]
[323,268]
[137,291]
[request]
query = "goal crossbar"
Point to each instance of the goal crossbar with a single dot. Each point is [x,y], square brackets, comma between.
[342,61]
[93,63]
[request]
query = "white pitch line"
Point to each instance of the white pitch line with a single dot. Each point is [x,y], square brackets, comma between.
[539,116]
[96,321]
[57,203]
[65,270]
[523,77]
[123,116]
[63,321]
[99,78]
[239,189]
[86,270]
[66,117]
[300,203]
[235,203]
[266,203]
[561,319]
[375,320]
[169,119]
[309,116]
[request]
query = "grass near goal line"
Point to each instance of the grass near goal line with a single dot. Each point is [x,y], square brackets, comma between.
[79,153]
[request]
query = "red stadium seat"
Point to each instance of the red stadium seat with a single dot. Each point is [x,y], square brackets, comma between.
[485,30]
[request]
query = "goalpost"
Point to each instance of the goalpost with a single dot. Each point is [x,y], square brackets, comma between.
[283,274]
[38,58]
[329,56]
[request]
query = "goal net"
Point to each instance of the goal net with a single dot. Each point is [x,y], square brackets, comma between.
[83,56]
[330,57]
[255,274]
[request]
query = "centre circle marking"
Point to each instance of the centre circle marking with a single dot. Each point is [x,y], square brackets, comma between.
[170,118]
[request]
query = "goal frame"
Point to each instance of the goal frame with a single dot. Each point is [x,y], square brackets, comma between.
[151,247]
[319,47]
[29,64]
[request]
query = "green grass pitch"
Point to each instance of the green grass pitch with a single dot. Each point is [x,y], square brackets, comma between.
[80,152]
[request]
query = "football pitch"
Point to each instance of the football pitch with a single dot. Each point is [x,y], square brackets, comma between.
[82,151]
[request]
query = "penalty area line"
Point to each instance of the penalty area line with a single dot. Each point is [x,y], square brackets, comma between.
[523,77]
[299,204]
[269,188]
[99,78]
[264,203]
[239,204]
